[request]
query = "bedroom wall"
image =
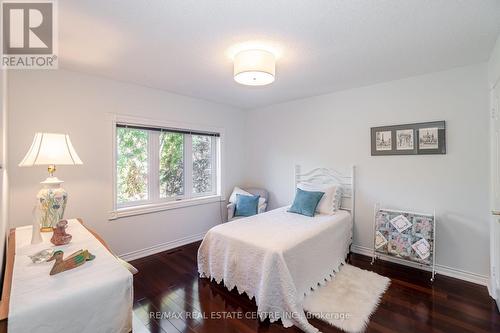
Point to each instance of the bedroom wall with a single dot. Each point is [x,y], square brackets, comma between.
[334,131]
[4,181]
[494,63]
[78,104]
[494,85]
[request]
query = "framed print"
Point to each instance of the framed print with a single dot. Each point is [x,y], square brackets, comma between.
[428,138]
[383,141]
[432,138]
[405,139]
[409,139]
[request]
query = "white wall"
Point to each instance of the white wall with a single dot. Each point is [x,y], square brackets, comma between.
[494,84]
[494,64]
[4,181]
[78,104]
[331,130]
[334,131]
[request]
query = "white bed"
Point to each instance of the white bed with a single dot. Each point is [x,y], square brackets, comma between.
[279,257]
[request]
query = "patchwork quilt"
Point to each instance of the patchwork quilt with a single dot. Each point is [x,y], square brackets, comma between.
[408,236]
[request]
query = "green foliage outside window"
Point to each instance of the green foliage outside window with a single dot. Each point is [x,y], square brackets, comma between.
[171,164]
[202,164]
[132,167]
[132,164]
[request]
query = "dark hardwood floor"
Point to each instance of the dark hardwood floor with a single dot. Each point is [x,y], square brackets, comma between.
[168,282]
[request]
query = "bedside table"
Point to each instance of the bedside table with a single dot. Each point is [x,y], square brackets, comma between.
[96,296]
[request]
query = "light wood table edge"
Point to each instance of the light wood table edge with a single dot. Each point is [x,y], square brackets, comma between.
[9,267]
[7,278]
[96,235]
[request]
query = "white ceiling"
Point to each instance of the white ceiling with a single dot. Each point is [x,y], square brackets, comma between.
[327,45]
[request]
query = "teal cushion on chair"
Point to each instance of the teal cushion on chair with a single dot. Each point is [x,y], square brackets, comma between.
[246,205]
[305,202]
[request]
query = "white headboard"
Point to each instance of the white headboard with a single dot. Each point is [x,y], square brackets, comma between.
[331,176]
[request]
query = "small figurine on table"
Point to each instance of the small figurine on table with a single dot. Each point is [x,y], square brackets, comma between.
[60,237]
[76,259]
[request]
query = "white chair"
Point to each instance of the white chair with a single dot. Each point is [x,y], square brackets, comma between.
[254,191]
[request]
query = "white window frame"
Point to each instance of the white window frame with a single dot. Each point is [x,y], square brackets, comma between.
[154,203]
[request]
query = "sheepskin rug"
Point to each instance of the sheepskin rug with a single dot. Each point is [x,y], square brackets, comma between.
[348,300]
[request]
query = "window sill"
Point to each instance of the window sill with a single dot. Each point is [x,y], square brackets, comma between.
[158,207]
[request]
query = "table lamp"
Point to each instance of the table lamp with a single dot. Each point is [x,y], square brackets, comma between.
[51,149]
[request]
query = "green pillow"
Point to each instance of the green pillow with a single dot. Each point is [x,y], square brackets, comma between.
[305,202]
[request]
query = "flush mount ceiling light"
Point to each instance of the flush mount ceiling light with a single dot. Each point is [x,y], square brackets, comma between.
[254,67]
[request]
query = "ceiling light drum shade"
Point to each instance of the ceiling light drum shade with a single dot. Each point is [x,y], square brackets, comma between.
[51,149]
[254,67]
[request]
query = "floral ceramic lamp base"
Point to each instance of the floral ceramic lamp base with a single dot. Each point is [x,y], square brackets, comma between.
[51,203]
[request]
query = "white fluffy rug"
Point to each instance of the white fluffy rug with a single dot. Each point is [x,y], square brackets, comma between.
[349,299]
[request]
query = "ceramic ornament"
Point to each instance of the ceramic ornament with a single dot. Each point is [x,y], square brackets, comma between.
[60,237]
[76,259]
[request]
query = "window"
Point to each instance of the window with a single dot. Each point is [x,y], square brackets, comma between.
[156,166]
[132,165]
[171,172]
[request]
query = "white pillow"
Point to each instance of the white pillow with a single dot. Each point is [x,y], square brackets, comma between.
[238,190]
[328,203]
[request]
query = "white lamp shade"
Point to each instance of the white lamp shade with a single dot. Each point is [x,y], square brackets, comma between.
[51,148]
[254,67]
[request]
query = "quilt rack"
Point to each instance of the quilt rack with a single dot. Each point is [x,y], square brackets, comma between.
[405,236]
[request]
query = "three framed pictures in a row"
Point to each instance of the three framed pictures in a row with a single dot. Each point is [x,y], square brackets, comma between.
[409,139]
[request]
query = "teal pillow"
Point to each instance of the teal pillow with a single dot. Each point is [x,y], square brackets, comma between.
[305,202]
[246,205]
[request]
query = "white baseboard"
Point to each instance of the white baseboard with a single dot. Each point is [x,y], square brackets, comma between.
[161,247]
[440,269]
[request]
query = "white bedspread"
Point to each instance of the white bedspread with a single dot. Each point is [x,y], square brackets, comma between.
[278,258]
[95,297]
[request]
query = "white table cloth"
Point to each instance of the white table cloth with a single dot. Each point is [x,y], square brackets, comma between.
[95,297]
